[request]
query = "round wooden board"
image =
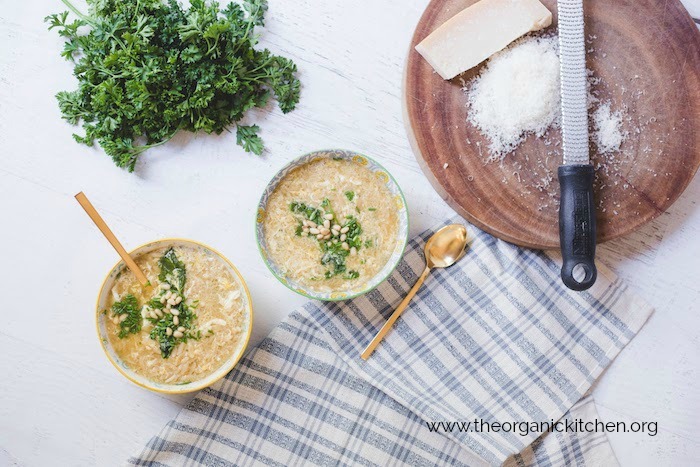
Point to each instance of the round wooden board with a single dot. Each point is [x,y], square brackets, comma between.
[647,55]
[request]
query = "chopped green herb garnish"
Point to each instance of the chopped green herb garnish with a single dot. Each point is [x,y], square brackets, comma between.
[351,275]
[165,331]
[354,232]
[326,205]
[130,308]
[309,212]
[371,209]
[334,250]
[172,270]
[350,195]
[334,257]
[369,243]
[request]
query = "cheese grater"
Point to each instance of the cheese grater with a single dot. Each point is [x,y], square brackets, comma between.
[577,229]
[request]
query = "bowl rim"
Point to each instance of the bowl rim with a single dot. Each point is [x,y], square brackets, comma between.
[184,389]
[304,292]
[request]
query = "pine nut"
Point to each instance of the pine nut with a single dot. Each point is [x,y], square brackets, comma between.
[336,227]
[123,317]
[171,301]
[168,294]
[313,230]
[335,240]
[353,251]
[327,224]
[165,286]
[344,230]
[343,237]
[328,243]
[159,313]
[320,236]
[178,300]
[153,314]
[176,320]
[328,216]
[345,246]
[168,332]
[175,312]
[327,237]
[163,299]
[181,329]
[311,223]
[177,334]
[305,223]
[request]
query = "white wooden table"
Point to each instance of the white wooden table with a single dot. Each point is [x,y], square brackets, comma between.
[62,403]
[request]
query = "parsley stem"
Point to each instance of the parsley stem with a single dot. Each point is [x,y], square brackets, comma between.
[140,149]
[77,12]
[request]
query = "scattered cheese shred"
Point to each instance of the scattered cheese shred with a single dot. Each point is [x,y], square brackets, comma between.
[608,135]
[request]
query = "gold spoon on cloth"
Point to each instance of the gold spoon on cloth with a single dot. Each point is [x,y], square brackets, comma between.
[442,250]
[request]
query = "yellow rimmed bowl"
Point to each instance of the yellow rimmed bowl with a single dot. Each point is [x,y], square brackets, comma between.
[140,380]
[398,201]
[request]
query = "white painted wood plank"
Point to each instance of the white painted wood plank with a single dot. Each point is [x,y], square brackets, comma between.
[58,412]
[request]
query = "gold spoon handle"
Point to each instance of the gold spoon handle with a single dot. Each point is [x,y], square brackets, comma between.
[107,232]
[392,319]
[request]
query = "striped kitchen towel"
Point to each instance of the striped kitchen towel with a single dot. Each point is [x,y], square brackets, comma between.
[495,338]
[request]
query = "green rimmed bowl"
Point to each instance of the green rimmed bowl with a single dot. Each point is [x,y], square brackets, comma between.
[397,198]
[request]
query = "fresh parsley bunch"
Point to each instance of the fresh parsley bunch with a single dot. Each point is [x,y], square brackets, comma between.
[148,69]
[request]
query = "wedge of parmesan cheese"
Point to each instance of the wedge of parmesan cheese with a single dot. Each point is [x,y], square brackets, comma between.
[477,32]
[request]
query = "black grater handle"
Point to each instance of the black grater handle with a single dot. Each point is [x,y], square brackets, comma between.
[577,225]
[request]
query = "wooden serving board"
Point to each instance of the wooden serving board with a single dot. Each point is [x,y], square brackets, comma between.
[647,55]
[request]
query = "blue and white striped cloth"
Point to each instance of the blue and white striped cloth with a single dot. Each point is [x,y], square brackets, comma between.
[496,337]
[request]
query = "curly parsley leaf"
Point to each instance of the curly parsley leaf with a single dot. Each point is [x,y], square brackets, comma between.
[147,69]
[247,137]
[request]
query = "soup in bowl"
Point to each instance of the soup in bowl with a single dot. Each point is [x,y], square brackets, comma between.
[183,331]
[332,225]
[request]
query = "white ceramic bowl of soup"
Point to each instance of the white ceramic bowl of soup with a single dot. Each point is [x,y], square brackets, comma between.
[224,314]
[352,190]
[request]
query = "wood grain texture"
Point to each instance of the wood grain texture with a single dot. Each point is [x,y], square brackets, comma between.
[647,55]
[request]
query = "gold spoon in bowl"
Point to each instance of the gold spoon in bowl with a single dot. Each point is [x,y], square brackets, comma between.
[116,244]
[442,250]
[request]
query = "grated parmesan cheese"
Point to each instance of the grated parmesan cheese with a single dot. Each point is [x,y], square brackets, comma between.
[517,93]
